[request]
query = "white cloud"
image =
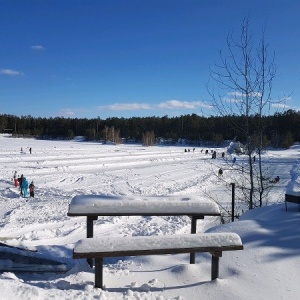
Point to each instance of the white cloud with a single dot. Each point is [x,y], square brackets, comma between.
[287,98]
[10,72]
[256,94]
[72,112]
[240,95]
[126,106]
[37,47]
[280,105]
[67,112]
[237,97]
[235,94]
[175,104]
[171,104]
[232,100]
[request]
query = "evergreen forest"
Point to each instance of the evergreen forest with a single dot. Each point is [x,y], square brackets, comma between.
[279,130]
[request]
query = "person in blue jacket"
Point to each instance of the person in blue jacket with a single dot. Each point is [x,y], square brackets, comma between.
[24,187]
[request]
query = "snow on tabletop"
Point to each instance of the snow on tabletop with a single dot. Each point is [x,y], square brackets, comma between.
[105,244]
[102,204]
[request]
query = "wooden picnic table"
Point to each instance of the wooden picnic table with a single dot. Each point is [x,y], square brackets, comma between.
[94,206]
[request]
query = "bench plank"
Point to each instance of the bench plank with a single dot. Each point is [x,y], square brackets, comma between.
[164,244]
[98,248]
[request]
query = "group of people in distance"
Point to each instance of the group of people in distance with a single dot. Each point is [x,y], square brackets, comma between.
[30,150]
[24,186]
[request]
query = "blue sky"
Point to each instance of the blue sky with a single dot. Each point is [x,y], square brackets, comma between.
[132,58]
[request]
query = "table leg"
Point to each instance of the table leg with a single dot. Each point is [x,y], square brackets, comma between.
[90,226]
[193,230]
[90,234]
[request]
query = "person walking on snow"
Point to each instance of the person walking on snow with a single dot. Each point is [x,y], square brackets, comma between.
[31,189]
[20,180]
[15,179]
[24,187]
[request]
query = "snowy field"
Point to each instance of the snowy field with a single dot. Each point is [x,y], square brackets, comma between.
[267,268]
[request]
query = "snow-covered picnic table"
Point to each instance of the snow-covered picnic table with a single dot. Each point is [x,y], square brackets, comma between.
[94,206]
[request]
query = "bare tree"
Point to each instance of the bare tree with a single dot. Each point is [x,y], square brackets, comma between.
[148,138]
[112,135]
[244,83]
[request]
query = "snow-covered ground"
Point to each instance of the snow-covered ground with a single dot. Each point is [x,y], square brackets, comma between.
[267,268]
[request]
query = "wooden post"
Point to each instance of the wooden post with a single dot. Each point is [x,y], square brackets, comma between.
[99,272]
[232,201]
[215,264]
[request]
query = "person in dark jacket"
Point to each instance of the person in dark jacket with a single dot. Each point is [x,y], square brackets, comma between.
[31,189]
[220,172]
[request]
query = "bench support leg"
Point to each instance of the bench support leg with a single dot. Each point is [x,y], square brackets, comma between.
[215,264]
[99,272]
[90,233]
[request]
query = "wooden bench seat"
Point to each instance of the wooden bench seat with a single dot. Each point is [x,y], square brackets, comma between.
[98,248]
[292,199]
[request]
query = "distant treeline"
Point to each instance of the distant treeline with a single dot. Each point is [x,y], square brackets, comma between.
[280,129]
